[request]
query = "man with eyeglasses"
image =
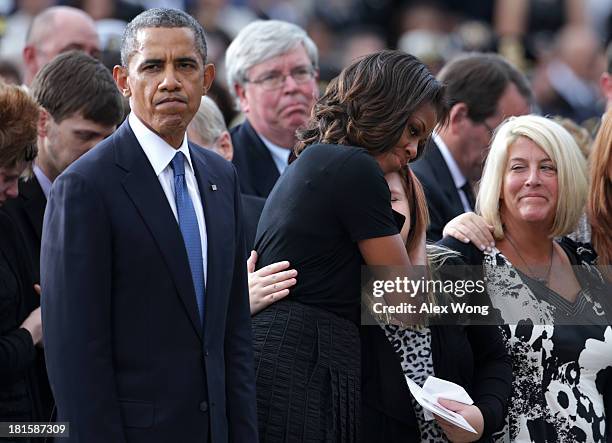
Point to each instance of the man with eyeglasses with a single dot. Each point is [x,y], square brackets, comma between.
[483,90]
[272,70]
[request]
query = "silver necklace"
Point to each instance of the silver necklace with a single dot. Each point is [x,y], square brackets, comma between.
[532,274]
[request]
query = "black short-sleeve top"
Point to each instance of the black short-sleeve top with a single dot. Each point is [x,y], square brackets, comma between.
[325,202]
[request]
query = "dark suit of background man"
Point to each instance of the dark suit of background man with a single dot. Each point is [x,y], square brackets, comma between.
[483,90]
[208,130]
[145,306]
[272,68]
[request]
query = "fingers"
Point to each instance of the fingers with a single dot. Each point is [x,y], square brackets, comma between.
[479,234]
[278,286]
[470,227]
[272,269]
[276,296]
[451,404]
[37,289]
[251,262]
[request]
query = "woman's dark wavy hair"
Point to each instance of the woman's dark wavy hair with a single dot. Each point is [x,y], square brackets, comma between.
[370,102]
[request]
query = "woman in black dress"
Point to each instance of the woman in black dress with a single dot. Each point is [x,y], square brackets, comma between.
[328,214]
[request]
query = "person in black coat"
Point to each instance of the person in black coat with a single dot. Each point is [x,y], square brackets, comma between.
[473,357]
[24,390]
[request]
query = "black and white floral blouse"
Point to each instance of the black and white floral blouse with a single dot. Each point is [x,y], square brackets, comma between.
[561,352]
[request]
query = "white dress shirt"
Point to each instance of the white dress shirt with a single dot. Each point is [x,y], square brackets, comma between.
[279,155]
[43,181]
[458,177]
[160,154]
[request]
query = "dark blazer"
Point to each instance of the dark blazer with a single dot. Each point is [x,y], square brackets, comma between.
[127,356]
[24,390]
[256,169]
[27,211]
[252,207]
[442,196]
[474,357]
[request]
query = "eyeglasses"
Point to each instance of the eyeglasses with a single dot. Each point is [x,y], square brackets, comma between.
[275,80]
[489,128]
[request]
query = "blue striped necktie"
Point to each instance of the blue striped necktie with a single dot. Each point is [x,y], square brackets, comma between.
[188,223]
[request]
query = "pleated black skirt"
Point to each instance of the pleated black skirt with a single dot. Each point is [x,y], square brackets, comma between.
[307,363]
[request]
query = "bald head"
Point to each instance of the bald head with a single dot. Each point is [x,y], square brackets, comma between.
[55,30]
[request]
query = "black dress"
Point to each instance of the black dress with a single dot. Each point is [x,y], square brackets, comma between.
[307,349]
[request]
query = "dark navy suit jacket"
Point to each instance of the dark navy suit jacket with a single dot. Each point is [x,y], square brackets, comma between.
[256,168]
[27,211]
[443,200]
[127,357]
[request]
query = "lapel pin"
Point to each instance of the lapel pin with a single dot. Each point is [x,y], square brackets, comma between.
[213,187]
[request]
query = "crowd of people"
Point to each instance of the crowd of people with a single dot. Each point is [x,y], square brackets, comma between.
[170,273]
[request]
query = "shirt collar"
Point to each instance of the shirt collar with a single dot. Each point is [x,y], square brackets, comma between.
[279,155]
[43,181]
[458,177]
[157,150]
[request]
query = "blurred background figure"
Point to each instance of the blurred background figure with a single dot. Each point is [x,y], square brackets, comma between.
[9,73]
[17,25]
[55,30]
[566,83]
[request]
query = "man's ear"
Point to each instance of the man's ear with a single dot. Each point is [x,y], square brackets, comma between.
[224,146]
[29,60]
[605,83]
[44,120]
[241,94]
[458,117]
[120,74]
[209,77]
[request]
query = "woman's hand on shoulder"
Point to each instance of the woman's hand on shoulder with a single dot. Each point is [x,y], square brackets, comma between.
[471,414]
[471,228]
[268,284]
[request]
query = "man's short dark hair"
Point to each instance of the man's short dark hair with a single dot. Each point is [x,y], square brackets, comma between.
[161,18]
[74,82]
[479,80]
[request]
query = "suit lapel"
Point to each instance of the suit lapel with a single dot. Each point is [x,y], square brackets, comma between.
[262,165]
[34,203]
[440,168]
[219,264]
[146,193]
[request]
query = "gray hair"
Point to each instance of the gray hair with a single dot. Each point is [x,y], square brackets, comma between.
[260,41]
[208,121]
[161,18]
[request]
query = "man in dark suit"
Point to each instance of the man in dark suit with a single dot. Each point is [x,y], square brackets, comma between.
[272,68]
[145,306]
[483,90]
[80,106]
